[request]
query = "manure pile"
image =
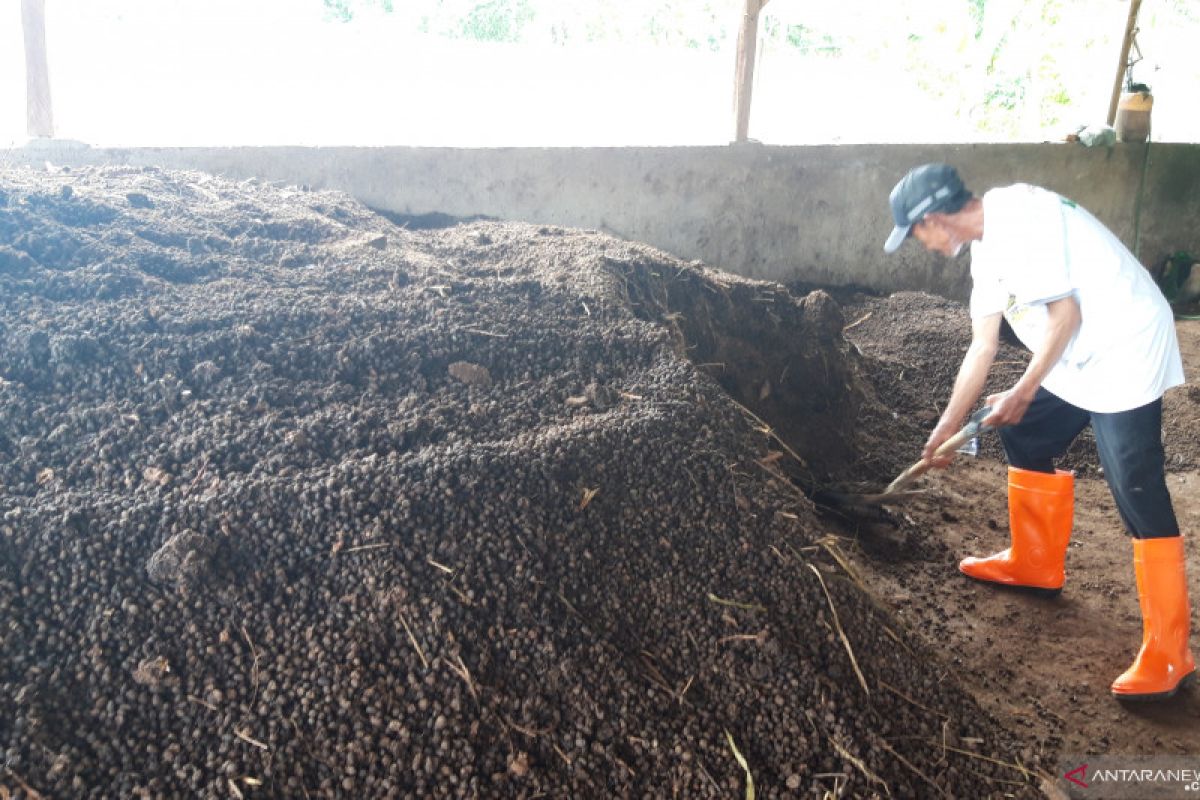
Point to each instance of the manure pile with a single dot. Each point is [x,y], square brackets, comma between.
[294,502]
[914,344]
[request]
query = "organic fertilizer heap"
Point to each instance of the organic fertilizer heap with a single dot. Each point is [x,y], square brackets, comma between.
[295,502]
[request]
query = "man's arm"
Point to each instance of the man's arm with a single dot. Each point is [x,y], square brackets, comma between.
[972,375]
[1009,407]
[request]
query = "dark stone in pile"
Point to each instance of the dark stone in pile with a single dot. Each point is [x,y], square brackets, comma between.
[295,502]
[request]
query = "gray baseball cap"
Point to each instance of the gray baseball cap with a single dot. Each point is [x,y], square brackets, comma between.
[929,187]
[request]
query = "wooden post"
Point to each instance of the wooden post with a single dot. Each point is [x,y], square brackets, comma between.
[744,71]
[1130,25]
[38,111]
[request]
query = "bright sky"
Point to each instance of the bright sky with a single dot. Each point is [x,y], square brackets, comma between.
[229,72]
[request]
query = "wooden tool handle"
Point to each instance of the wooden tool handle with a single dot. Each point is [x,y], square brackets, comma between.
[921,467]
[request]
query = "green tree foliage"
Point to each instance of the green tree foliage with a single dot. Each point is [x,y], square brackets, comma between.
[343,10]
[496,21]
[692,24]
[1011,69]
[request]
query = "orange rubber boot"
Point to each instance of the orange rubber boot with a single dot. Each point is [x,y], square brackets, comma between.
[1041,511]
[1165,660]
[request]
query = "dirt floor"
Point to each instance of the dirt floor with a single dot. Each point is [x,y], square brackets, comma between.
[1043,667]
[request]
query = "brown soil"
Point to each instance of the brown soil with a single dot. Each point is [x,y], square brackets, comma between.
[1043,667]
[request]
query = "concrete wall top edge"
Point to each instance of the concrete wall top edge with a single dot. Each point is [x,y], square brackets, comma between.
[39,148]
[808,213]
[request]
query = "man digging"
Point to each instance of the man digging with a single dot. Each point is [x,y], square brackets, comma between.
[1104,352]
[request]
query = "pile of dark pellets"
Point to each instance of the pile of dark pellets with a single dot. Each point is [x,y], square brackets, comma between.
[295,502]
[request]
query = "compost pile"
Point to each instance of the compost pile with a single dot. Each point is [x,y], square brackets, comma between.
[295,502]
[913,344]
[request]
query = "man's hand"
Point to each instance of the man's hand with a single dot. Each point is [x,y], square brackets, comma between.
[985,340]
[941,433]
[1008,408]
[1064,319]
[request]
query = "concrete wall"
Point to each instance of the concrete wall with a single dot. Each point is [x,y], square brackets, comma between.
[812,214]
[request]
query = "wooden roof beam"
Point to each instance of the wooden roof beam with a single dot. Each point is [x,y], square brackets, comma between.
[1126,43]
[39,116]
[744,71]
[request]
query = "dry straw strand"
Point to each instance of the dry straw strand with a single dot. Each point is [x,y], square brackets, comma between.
[837,624]
[741,760]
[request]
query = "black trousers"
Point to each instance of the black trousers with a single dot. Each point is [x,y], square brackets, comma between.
[1130,448]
